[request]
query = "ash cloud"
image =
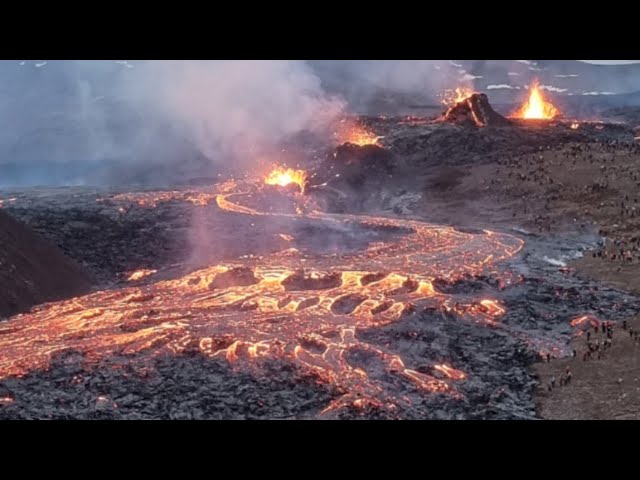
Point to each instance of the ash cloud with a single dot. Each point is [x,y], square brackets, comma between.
[232,109]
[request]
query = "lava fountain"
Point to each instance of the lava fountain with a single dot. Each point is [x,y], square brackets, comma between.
[284,177]
[537,107]
[453,97]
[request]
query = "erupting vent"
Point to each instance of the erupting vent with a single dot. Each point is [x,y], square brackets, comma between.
[286,176]
[451,98]
[474,109]
[537,107]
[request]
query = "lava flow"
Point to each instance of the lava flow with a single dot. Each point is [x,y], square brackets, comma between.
[584,323]
[140,274]
[267,307]
[537,107]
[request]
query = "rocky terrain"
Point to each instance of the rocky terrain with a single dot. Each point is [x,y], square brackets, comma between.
[542,182]
[33,271]
[107,240]
[496,359]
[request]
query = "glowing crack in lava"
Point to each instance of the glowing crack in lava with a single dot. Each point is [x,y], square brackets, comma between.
[286,176]
[266,307]
[536,106]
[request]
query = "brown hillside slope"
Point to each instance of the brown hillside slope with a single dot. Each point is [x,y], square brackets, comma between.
[33,271]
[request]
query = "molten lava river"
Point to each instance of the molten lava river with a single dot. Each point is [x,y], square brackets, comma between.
[269,306]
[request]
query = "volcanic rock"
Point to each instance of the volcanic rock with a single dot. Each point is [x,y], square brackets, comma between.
[33,271]
[354,165]
[236,277]
[475,110]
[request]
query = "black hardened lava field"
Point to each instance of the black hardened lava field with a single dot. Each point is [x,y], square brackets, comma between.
[401,267]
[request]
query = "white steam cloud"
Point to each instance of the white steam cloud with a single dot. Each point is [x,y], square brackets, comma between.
[75,122]
[230,107]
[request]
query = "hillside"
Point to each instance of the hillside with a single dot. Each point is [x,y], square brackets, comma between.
[33,271]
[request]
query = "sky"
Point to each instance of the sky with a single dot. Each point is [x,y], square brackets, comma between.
[610,62]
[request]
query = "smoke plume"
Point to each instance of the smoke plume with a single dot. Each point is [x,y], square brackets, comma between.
[230,108]
[151,121]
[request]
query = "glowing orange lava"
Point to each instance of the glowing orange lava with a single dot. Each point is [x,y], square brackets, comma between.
[579,321]
[493,308]
[536,106]
[453,97]
[575,126]
[283,177]
[153,199]
[585,321]
[140,274]
[356,134]
[450,372]
[266,306]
